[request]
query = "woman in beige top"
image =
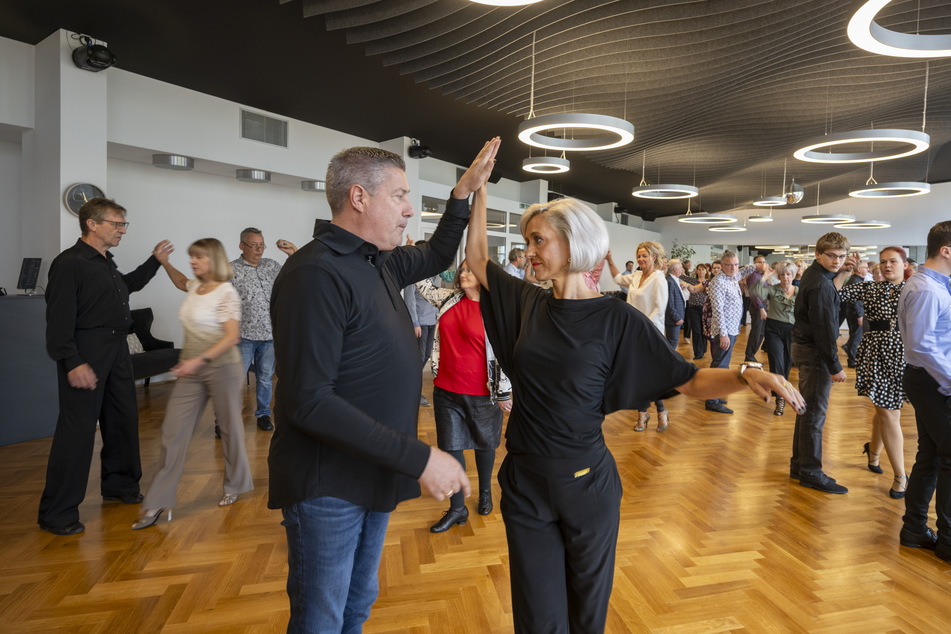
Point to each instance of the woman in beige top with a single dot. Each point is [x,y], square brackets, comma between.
[209,368]
[647,292]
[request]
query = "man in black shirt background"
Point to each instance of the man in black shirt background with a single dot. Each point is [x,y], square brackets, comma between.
[345,450]
[87,320]
[815,353]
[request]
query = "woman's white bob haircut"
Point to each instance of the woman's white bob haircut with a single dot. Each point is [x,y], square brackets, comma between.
[581,228]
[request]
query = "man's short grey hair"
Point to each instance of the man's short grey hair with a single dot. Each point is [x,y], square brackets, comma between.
[727,254]
[581,228]
[364,166]
[249,231]
[672,264]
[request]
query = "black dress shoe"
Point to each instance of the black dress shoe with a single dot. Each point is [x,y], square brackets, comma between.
[918,540]
[265,424]
[485,502]
[718,407]
[449,519]
[125,498]
[70,529]
[943,553]
[823,483]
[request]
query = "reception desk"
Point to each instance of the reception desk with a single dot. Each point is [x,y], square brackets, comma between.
[29,402]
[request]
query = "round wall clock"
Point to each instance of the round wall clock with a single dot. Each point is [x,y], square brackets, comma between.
[78,195]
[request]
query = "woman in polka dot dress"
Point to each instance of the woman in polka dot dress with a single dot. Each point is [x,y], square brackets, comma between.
[880,363]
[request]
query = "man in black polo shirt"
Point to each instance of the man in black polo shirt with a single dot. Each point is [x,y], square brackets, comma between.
[87,320]
[345,451]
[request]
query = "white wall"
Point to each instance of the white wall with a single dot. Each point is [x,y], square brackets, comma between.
[185,206]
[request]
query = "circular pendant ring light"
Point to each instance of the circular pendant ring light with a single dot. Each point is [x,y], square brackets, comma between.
[760,219]
[863,224]
[704,218]
[665,192]
[731,229]
[901,189]
[919,142]
[827,219]
[770,201]
[617,132]
[867,34]
[546,165]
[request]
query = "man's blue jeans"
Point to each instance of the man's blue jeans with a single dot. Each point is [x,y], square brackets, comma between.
[720,359]
[261,353]
[333,556]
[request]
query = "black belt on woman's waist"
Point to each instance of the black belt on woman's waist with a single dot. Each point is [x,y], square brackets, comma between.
[872,326]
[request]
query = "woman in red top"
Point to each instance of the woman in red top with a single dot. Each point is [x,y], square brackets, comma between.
[470,392]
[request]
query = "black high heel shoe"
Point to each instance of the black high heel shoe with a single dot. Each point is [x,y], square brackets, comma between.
[897,495]
[874,468]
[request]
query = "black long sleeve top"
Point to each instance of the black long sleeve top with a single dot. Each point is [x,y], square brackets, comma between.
[86,291]
[347,398]
[817,315]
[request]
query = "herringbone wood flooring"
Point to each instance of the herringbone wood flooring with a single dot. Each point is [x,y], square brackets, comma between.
[714,537]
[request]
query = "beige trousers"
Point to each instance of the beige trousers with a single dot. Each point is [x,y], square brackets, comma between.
[225,386]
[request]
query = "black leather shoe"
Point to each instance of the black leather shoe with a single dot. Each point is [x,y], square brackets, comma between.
[125,498]
[794,474]
[718,407]
[449,519]
[485,502]
[917,540]
[943,553]
[265,424]
[823,483]
[70,529]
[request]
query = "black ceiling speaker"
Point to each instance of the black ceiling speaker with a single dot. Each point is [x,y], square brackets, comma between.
[92,57]
[419,151]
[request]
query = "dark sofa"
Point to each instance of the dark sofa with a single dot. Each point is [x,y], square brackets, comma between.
[159,356]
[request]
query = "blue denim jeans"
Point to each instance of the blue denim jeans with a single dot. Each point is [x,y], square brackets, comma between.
[333,556]
[261,353]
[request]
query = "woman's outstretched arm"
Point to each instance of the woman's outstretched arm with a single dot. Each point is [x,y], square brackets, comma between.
[477,242]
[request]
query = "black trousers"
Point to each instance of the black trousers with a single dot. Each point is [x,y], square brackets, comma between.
[815,382]
[696,331]
[778,343]
[755,337]
[112,405]
[561,522]
[931,475]
[425,343]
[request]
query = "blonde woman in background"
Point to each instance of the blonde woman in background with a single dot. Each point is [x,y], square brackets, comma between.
[209,368]
[647,291]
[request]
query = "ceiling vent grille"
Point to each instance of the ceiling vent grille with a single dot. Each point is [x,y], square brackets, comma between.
[259,127]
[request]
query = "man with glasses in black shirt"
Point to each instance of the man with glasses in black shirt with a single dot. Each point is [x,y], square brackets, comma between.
[87,320]
[815,353]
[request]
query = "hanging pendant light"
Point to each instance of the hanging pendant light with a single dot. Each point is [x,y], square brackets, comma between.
[661,192]
[868,35]
[863,224]
[916,141]
[546,164]
[609,132]
[825,219]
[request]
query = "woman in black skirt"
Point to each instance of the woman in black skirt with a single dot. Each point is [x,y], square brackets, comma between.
[470,392]
[574,356]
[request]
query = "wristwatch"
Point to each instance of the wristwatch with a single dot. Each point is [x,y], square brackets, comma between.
[749,365]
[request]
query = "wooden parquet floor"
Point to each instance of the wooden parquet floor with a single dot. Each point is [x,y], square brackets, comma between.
[714,537]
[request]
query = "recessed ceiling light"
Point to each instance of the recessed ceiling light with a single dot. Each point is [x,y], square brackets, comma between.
[173,162]
[252,176]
